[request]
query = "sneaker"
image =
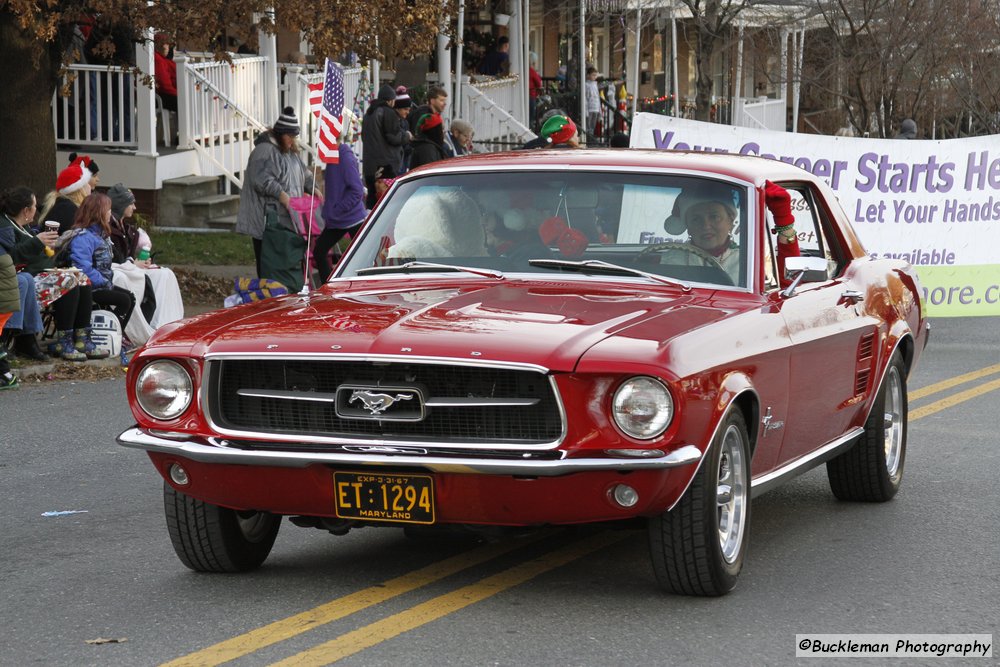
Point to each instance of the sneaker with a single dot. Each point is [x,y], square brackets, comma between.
[9,381]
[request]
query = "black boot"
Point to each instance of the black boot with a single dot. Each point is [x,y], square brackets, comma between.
[26,345]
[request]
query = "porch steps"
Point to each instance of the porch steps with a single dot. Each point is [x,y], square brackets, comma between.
[225,223]
[193,201]
[198,211]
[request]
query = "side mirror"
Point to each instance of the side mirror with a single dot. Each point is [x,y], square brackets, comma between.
[804,270]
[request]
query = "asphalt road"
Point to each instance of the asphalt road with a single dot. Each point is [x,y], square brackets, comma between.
[927,562]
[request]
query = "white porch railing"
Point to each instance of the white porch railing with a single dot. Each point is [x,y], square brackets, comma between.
[493,109]
[99,110]
[218,110]
[294,92]
[760,113]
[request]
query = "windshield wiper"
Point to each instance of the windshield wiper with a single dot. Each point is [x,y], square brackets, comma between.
[428,266]
[607,266]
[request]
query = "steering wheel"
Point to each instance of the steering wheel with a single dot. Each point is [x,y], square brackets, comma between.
[707,260]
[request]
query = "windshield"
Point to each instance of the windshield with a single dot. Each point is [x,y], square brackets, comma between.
[688,228]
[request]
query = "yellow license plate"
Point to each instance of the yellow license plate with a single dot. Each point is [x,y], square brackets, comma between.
[384,497]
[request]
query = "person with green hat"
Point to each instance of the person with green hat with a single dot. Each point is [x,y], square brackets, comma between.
[560,131]
[429,145]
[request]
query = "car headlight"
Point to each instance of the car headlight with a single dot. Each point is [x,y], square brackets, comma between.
[164,389]
[642,407]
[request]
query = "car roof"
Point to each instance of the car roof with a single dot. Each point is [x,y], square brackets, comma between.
[743,167]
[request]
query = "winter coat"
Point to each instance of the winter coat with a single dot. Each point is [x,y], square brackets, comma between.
[124,240]
[10,297]
[91,253]
[269,172]
[593,96]
[63,211]
[426,151]
[908,129]
[28,249]
[383,137]
[345,193]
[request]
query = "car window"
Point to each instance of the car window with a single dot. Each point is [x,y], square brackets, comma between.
[810,226]
[676,225]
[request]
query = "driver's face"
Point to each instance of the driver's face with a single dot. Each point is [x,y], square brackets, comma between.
[708,225]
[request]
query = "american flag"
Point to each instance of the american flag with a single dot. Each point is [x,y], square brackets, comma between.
[326,100]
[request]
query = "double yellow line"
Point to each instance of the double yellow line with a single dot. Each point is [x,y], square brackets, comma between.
[440,606]
[953,399]
[370,635]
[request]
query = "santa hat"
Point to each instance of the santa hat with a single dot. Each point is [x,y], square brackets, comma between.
[74,177]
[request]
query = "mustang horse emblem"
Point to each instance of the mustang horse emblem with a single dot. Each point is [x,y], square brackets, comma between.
[377,402]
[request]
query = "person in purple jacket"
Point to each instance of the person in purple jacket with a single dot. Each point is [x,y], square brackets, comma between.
[344,208]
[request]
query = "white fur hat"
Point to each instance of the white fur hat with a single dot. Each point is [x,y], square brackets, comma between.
[440,219]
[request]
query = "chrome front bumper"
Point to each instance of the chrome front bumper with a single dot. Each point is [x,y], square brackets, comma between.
[217,451]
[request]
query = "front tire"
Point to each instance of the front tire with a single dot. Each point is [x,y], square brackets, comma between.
[698,547]
[209,538]
[872,470]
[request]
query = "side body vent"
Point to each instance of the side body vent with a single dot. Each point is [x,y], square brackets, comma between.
[863,368]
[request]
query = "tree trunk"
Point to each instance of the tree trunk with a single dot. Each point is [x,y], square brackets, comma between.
[27,79]
[708,36]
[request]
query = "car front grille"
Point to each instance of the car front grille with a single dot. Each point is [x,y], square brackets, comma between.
[465,404]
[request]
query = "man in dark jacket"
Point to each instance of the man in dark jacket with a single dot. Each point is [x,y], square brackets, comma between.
[383,137]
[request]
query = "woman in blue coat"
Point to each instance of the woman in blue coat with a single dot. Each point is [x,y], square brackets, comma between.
[90,251]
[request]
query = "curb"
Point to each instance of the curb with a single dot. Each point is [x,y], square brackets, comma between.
[43,369]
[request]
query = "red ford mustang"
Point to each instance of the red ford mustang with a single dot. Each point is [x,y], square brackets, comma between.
[540,338]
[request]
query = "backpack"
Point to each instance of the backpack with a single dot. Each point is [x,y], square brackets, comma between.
[106,331]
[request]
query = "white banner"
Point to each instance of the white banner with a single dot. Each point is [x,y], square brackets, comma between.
[933,203]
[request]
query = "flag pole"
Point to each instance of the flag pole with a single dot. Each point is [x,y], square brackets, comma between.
[307,274]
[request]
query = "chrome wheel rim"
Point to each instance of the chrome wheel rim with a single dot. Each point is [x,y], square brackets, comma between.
[731,494]
[893,431]
[253,525]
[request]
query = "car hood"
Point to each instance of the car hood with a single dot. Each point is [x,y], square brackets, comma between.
[547,323]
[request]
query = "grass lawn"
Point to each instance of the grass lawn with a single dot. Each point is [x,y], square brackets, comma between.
[217,249]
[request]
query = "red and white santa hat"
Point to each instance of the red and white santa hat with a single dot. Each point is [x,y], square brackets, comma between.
[75,176]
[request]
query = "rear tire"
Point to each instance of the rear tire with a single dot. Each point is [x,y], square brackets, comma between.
[872,470]
[209,538]
[698,547]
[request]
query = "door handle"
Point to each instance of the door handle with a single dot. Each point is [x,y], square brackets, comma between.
[852,296]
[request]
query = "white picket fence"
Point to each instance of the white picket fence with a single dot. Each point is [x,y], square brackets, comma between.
[760,113]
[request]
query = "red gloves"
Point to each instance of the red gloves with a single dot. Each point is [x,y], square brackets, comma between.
[571,242]
[779,203]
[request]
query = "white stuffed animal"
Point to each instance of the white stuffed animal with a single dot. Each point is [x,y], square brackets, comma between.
[439,222]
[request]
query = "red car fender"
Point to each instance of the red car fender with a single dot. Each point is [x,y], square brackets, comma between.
[735,391]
